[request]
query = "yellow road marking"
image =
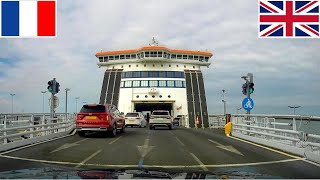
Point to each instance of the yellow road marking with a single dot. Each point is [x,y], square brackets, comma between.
[155,166]
[264,147]
[199,161]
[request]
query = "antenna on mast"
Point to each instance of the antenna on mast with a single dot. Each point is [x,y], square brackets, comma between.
[154,42]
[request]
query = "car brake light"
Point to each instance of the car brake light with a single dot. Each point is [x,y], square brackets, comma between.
[102,117]
[138,118]
[80,117]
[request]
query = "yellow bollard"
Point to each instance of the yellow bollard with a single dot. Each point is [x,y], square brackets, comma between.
[227,128]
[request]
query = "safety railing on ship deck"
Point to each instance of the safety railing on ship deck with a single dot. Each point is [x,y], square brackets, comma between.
[21,129]
[264,129]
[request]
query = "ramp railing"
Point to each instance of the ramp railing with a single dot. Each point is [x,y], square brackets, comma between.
[22,129]
[216,121]
[268,130]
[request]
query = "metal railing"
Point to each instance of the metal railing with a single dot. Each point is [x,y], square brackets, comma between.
[267,130]
[21,129]
[216,121]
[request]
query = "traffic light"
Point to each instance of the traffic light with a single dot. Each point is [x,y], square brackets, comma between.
[251,88]
[57,87]
[50,86]
[244,89]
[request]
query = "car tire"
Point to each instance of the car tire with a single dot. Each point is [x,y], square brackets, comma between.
[81,133]
[150,127]
[170,127]
[123,129]
[113,131]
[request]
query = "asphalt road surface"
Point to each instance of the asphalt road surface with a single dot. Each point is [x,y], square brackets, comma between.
[180,149]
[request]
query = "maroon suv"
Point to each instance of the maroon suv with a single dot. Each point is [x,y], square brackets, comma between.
[99,118]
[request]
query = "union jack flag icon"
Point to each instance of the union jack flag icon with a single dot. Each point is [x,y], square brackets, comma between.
[289,18]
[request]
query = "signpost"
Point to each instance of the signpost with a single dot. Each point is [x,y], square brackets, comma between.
[247,104]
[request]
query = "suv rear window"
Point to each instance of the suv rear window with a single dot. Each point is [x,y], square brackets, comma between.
[160,113]
[93,109]
[132,115]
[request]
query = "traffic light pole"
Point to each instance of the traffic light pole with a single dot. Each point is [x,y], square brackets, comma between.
[52,98]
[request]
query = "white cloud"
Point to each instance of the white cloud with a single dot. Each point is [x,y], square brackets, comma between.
[85,27]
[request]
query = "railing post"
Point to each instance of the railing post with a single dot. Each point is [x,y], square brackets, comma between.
[31,124]
[43,123]
[294,125]
[5,140]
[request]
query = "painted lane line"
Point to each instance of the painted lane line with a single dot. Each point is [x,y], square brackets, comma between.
[227,147]
[68,145]
[198,160]
[30,145]
[74,132]
[88,158]
[265,147]
[115,140]
[156,166]
[180,141]
[171,132]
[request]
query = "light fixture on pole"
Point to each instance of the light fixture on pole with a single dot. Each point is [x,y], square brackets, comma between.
[294,109]
[43,92]
[12,102]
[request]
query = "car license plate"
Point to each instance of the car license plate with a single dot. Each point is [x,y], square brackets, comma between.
[91,117]
[131,120]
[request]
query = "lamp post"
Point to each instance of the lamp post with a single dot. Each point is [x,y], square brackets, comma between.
[77,104]
[294,109]
[12,102]
[67,89]
[224,102]
[43,92]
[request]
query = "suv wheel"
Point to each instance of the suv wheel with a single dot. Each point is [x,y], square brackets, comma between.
[123,129]
[113,131]
[150,127]
[170,127]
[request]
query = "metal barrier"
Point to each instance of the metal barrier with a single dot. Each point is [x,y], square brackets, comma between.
[216,121]
[22,129]
[264,129]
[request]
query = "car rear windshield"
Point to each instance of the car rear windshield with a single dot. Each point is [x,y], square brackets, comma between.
[160,113]
[132,115]
[93,109]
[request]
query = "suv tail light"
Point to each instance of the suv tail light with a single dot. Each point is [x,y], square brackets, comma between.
[104,117]
[138,118]
[80,117]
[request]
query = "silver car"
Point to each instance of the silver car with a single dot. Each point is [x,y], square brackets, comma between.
[135,119]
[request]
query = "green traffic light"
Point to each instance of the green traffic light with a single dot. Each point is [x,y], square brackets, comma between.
[50,89]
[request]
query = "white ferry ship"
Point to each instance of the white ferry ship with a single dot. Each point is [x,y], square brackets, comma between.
[156,78]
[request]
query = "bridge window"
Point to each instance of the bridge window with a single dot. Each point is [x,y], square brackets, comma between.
[111,57]
[144,74]
[128,84]
[170,83]
[129,66]
[129,74]
[144,84]
[165,54]
[162,73]
[128,56]
[177,65]
[116,57]
[122,56]
[136,74]
[153,74]
[122,84]
[105,58]
[190,57]
[159,53]
[196,58]
[185,57]
[178,83]
[142,55]
[100,59]
[153,83]
[170,74]
[147,53]
[183,84]
[135,83]
[162,83]
[169,65]
[153,54]
[173,56]
[201,58]
[206,58]
[179,56]
[133,56]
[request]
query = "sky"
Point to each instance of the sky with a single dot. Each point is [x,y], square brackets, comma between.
[286,71]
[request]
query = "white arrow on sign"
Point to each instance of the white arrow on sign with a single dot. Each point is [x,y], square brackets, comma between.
[227,148]
[145,149]
[67,145]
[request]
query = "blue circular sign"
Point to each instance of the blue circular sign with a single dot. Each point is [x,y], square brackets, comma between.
[247,104]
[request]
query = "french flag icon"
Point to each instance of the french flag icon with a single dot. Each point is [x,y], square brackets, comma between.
[28,18]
